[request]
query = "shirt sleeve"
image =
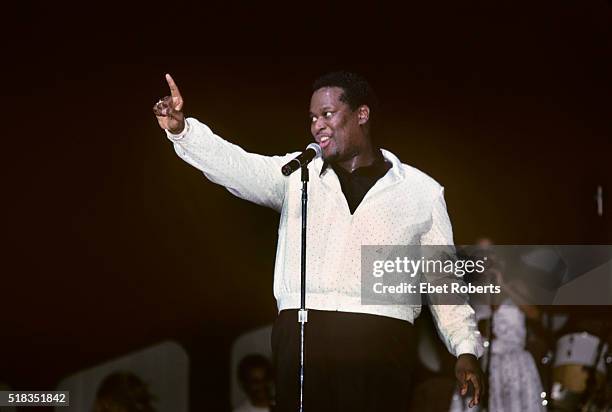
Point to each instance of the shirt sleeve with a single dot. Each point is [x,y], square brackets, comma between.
[250,176]
[456,323]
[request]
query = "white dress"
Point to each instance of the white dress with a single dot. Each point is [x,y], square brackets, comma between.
[514,382]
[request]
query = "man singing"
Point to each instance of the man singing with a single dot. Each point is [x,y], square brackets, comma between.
[358,357]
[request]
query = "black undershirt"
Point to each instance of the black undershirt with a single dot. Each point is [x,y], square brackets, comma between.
[356,185]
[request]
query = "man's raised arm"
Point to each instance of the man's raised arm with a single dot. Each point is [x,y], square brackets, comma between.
[249,176]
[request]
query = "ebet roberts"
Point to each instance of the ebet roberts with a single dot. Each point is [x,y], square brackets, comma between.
[425,287]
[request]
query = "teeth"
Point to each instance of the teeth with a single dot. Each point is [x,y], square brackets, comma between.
[325,139]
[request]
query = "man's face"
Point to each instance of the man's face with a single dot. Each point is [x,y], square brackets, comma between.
[334,126]
[257,385]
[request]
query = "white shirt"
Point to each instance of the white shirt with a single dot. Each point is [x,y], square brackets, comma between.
[404,207]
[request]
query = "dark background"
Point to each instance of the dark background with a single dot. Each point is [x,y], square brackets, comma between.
[112,243]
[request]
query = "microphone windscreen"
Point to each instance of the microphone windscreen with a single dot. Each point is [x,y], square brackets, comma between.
[316,148]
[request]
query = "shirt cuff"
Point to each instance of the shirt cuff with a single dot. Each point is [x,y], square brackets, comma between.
[181,135]
[472,348]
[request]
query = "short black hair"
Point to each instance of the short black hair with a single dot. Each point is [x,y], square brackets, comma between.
[126,391]
[253,361]
[357,90]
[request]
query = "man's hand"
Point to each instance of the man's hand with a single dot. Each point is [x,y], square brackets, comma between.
[169,109]
[467,369]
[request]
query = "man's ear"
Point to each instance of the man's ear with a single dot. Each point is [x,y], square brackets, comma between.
[363,113]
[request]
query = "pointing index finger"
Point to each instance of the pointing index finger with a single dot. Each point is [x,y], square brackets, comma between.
[174,91]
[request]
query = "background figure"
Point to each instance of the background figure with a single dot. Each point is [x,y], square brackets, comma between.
[514,381]
[163,366]
[255,376]
[123,392]
[254,341]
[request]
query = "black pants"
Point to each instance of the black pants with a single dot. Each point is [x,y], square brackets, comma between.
[353,362]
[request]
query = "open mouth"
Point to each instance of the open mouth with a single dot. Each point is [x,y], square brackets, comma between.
[324,141]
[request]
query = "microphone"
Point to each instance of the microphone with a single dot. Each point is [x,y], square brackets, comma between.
[312,150]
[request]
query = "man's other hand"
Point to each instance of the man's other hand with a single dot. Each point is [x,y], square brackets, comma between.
[467,369]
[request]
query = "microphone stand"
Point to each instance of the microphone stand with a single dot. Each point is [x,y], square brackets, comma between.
[303,312]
